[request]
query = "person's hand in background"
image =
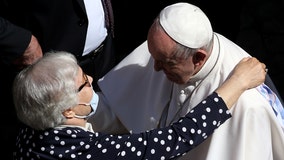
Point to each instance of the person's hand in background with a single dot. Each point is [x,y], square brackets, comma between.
[31,54]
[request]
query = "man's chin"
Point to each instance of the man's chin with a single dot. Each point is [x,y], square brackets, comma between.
[173,79]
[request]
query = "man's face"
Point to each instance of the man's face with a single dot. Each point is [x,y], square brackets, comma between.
[161,47]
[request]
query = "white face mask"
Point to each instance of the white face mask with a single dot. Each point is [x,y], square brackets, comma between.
[93,103]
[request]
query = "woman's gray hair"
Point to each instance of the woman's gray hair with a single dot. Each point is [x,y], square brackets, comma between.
[182,51]
[45,89]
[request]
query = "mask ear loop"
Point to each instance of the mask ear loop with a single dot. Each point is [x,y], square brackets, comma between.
[86,116]
[93,104]
[84,104]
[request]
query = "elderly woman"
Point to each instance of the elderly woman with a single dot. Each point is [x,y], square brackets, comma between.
[54,98]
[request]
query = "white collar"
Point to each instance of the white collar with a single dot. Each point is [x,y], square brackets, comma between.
[88,127]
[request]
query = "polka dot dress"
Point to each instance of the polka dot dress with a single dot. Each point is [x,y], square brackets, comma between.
[159,144]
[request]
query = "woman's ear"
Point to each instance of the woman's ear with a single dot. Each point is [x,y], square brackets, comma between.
[68,113]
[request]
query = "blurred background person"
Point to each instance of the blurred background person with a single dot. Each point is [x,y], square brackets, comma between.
[84,28]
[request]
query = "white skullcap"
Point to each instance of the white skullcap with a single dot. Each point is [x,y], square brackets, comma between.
[186,24]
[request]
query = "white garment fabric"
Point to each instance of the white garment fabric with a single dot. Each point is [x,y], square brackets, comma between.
[88,127]
[134,95]
[97,31]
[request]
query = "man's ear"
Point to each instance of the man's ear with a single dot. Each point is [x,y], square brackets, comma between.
[68,113]
[200,57]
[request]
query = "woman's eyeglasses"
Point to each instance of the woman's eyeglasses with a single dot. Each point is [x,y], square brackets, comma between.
[85,83]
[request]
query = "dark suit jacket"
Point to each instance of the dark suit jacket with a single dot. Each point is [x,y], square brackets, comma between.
[13,41]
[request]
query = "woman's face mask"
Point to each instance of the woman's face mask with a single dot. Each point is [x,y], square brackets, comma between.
[93,103]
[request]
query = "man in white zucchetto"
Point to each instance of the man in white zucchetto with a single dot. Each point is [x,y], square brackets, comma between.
[194,61]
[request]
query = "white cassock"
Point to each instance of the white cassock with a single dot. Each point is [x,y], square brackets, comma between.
[134,95]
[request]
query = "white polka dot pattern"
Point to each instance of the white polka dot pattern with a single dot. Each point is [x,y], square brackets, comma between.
[159,144]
